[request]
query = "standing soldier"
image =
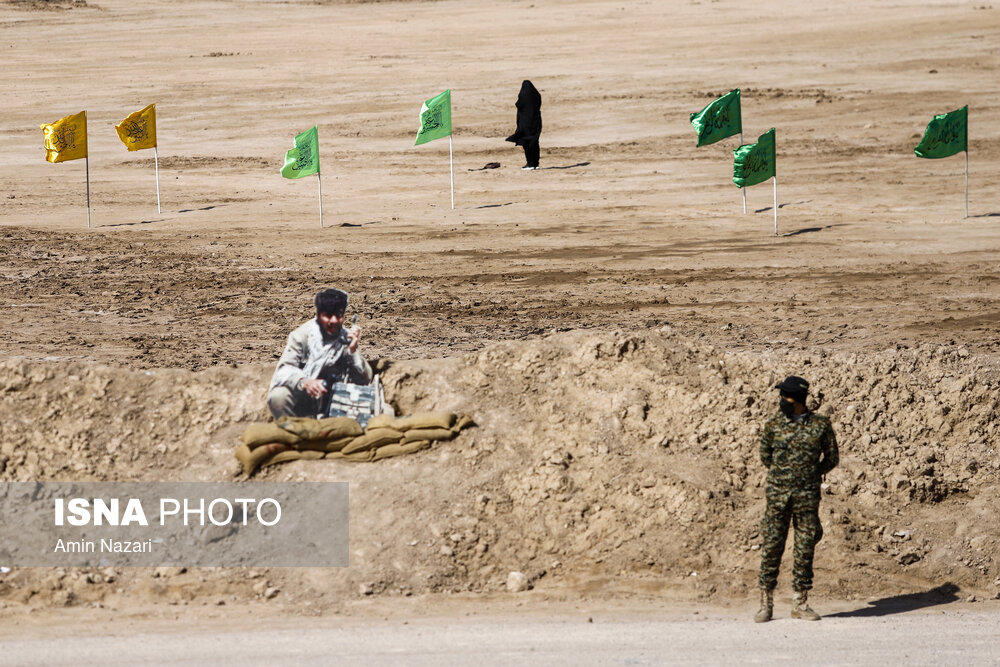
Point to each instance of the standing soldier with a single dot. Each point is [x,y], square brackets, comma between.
[797,447]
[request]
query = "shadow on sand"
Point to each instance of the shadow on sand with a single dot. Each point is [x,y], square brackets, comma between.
[568,166]
[806,230]
[943,594]
[358,224]
[771,208]
[131,224]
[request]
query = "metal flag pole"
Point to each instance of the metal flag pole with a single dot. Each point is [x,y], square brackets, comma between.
[156,164]
[451,159]
[775,179]
[87,163]
[743,189]
[319,182]
[966,183]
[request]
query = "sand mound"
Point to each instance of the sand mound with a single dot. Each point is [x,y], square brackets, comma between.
[601,462]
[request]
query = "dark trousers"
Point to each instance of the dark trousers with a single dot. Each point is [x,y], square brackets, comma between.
[801,509]
[531,152]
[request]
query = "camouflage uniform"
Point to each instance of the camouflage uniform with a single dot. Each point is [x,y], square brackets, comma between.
[796,454]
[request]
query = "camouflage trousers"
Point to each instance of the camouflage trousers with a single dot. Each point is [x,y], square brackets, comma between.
[801,509]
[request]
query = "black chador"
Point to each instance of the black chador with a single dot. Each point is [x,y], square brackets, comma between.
[529,123]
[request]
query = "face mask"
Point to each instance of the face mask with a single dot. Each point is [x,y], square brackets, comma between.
[787,408]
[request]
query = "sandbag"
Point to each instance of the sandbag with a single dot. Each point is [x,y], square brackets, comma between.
[304,438]
[323,445]
[366,455]
[242,454]
[464,421]
[415,434]
[291,455]
[251,459]
[372,438]
[387,451]
[418,420]
[330,428]
[383,452]
[384,421]
[337,445]
[256,435]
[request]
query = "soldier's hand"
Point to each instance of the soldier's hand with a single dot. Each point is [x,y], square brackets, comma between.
[314,387]
[353,336]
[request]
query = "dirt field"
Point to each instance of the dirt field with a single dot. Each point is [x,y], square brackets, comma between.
[612,321]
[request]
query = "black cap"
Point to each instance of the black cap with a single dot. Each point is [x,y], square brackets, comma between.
[793,385]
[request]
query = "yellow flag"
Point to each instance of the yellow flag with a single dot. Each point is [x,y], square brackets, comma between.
[66,139]
[138,131]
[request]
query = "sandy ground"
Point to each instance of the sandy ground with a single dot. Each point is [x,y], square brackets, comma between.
[534,633]
[628,226]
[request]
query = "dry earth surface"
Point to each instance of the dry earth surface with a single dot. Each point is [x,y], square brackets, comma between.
[612,321]
[532,631]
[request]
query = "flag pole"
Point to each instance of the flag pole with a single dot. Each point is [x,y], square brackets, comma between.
[319,182]
[966,182]
[87,166]
[775,179]
[451,159]
[156,164]
[743,189]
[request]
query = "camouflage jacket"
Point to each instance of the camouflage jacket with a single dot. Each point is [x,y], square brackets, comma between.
[798,453]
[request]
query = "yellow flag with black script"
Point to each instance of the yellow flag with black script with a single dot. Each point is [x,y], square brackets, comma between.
[138,130]
[66,139]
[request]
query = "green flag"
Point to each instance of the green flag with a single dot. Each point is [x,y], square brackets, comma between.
[303,160]
[719,120]
[754,163]
[946,135]
[435,119]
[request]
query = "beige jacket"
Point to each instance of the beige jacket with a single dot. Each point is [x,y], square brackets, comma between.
[311,353]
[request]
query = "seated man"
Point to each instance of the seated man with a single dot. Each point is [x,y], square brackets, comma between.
[318,353]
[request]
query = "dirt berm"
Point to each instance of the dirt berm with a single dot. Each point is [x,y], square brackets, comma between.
[602,462]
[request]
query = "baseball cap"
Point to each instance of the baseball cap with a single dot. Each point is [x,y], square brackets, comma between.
[793,384]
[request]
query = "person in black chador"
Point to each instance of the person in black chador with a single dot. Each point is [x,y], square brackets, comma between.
[529,123]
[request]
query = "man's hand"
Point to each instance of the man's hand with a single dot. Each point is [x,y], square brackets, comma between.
[314,387]
[353,336]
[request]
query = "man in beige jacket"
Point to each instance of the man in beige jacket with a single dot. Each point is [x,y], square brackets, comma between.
[318,354]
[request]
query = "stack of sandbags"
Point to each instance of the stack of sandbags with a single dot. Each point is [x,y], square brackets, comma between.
[297,438]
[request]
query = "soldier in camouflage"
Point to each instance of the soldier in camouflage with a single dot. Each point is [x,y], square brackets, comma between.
[797,447]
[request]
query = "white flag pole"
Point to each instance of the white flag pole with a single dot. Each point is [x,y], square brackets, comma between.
[87,161]
[451,159]
[775,179]
[156,163]
[966,182]
[743,189]
[319,182]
